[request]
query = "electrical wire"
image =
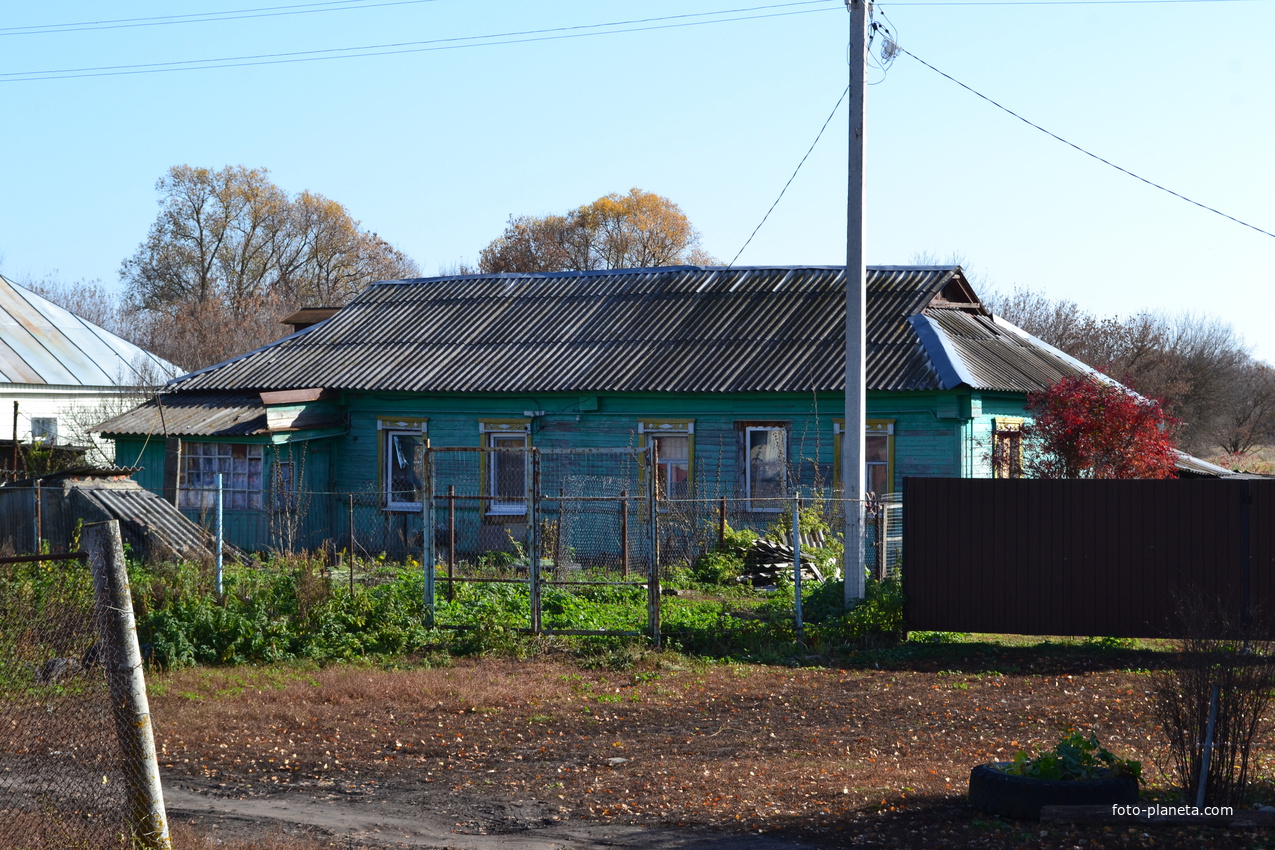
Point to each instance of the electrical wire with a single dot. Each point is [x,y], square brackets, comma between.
[1077,147]
[840,100]
[397,48]
[1064,2]
[205,17]
[348,5]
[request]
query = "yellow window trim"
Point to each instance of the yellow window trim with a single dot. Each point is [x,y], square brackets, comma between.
[400,423]
[394,423]
[879,427]
[510,425]
[670,428]
[1002,425]
[504,426]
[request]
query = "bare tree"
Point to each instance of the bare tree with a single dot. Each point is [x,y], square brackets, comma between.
[230,253]
[1197,365]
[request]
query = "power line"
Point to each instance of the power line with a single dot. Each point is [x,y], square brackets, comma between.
[1064,2]
[818,136]
[356,5]
[205,17]
[1077,147]
[454,43]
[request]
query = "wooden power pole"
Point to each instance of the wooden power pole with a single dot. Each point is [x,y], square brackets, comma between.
[856,297]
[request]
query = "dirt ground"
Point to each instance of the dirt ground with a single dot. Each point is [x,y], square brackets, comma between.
[669,754]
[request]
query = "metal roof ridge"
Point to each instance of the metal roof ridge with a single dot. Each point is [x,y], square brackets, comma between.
[646,270]
[942,354]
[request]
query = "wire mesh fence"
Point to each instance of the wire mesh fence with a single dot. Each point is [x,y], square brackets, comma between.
[61,778]
[551,527]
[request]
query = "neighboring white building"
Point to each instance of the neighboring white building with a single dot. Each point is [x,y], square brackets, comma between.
[65,373]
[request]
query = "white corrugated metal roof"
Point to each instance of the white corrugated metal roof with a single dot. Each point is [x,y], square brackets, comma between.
[42,343]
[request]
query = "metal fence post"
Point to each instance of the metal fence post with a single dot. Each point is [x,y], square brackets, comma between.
[221,533]
[624,533]
[653,581]
[796,565]
[532,466]
[123,660]
[427,532]
[451,540]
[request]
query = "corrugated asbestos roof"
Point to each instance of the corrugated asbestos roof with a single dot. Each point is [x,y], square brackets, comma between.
[192,415]
[678,329]
[153,526]
[42,343]
[994,358]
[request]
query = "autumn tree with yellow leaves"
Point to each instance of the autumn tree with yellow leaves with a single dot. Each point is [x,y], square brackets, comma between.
[635,230]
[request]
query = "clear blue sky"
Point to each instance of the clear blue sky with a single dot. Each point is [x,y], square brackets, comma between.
[434,149]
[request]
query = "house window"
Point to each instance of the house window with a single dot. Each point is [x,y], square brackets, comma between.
[673,440]
[403,445]
[44,428]
[878,455]
[766,470]
[1007,447]
[505,476]
[240,468]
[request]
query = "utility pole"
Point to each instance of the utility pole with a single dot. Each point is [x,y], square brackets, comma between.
[856,296]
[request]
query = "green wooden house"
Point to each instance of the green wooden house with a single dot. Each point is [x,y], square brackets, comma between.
[735,374]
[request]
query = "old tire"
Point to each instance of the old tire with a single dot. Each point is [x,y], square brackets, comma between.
[1022,797]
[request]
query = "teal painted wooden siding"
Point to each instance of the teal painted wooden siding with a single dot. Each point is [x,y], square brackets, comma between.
[936,434]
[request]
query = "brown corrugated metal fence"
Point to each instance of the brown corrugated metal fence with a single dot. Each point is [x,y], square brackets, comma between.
[1097,558]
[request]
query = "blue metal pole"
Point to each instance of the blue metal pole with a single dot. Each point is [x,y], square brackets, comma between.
[796,564]
[221,533]
[427,533]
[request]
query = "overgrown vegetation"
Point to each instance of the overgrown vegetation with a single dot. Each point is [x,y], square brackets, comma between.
[294,608]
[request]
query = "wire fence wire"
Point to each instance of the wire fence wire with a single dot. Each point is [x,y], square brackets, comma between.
[591,523]
[61,778]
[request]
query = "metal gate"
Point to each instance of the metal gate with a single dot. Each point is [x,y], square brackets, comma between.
[550,525]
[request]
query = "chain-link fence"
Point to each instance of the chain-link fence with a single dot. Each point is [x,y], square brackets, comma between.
[61,783]
[594,524]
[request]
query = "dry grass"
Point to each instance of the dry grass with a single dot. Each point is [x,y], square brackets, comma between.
[833,755]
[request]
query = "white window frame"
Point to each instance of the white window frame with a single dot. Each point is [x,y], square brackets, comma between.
[198,488]
[653,429]
[505,431]
[389,429]
[771,506]
[871,428]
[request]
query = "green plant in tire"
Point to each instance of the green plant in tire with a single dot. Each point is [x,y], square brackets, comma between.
[1074,757]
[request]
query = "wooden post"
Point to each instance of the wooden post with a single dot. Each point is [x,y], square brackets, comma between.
[721,523]
[39,517]
[653,580]
[351,545]
[122,657]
